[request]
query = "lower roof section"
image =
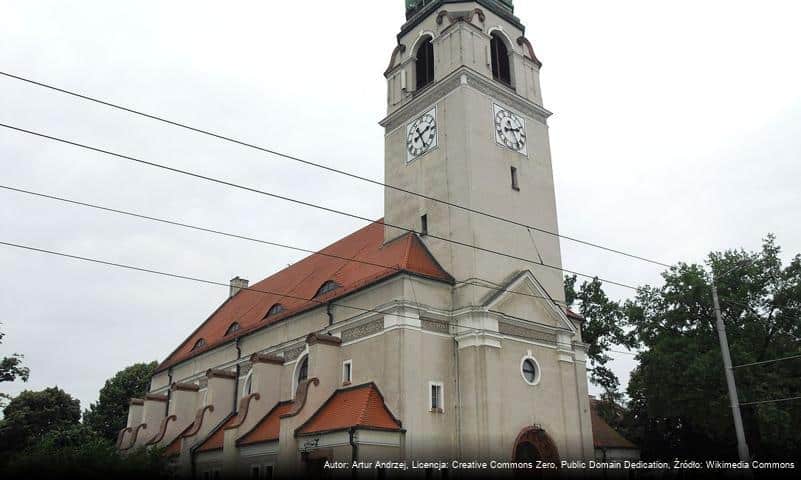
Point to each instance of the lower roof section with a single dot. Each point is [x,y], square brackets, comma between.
[361,406]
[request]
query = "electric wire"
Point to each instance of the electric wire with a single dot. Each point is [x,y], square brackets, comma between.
[185,277]
[765,362]
[303,203]
[327,168]
[486,285]
[771,401]
[224,284]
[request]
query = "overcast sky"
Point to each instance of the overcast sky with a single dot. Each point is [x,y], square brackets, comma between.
[677,130]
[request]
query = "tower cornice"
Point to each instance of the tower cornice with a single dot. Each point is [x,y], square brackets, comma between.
[464,76]
[492,5]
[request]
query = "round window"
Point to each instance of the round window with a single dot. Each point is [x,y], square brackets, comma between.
[530,371]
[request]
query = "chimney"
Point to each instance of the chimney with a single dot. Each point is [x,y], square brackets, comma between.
[237,284]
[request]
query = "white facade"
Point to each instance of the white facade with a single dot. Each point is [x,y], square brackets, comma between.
[486,367]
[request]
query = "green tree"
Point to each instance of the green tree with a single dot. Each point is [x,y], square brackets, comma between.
[602,330]
[110,413]
[77,451]
[31,415]
[11,369]
[678,399]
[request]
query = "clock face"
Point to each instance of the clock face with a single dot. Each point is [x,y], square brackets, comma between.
[421,135]
[510,130]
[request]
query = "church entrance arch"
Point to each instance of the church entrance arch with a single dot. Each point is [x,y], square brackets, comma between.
[534,444]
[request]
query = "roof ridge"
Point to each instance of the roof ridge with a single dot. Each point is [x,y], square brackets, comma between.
[362,415]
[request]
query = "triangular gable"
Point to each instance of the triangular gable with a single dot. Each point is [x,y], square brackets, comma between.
[525,282]
[360,406]
[214,440]
[268,428]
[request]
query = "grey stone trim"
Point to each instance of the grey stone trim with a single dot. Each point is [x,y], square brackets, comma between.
[508,96]
[474,80]
[530,333]
[244,369]
[363,330]
[435,326]
[423,99]
[293,353]
[203,383]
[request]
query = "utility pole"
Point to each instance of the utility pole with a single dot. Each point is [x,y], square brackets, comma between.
[742,446]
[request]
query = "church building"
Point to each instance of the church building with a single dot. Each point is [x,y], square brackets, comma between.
[439,332]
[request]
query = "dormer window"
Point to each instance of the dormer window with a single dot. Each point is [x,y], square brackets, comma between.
[232,329]
[425,63]
[327,287]
[275,310]
[501,69]
[199,344]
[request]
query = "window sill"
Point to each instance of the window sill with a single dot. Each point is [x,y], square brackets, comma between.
[507,85]
[345,384]
[437,410]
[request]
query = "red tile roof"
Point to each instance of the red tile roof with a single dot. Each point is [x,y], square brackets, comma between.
[174,448]
[360,406]
[268,428]
[303,279]
[603,435]
[575,316]
[215,440]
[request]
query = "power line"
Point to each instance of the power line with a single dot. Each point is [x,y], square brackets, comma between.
[772,401]
[184,277]
[304,203]
[222,284]
[256,240]
[327,168]
[768,361]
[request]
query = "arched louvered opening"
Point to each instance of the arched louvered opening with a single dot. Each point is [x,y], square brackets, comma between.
[233,329]
[327,287]
[501,68]
[275,310]
[425,63]
[199,344]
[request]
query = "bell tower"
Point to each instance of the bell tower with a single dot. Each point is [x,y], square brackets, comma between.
[465,124]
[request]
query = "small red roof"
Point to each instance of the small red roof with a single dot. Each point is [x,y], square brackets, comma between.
[360,406]
[217,437]
[603,435]
[174,448]
[268,428]
[575,316]
[301,281]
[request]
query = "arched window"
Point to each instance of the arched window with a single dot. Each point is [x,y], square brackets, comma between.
[501,70]
[425,63]
[247,388]
[232,329]
[275,310]
[328,286]
[301,372]
[199,344]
